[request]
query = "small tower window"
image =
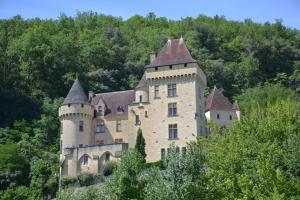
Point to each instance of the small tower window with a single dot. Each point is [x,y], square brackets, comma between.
[146,113]
[162,153]
[82,105]
[230,117]
[185,64]
[156,68]
[218,116]
[69,105]
[156,91]
[118,126]
[81,126]
[170,66]
[141,98]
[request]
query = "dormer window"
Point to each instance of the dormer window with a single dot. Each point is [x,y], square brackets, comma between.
[120,109]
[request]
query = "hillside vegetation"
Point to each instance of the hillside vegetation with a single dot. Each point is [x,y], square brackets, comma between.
[257,64]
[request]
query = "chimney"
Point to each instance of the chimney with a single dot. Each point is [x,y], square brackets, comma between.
[152,56]
[91,94]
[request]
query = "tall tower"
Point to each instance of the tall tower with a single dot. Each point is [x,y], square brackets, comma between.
[76,114]
[174,112]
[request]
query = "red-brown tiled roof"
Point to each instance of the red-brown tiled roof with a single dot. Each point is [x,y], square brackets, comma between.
[217,101]
[174,52]
[113,100]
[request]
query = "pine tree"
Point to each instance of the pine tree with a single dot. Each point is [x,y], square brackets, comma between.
[140,144]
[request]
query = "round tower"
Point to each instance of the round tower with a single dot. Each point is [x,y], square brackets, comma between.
[142,91]
[76,115]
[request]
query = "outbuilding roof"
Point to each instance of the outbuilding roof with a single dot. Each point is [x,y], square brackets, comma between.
[76,94]
[217,101]
[174,52]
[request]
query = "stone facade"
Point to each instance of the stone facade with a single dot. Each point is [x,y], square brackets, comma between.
[168,105]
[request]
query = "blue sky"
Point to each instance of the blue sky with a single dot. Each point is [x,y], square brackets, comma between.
[258,10]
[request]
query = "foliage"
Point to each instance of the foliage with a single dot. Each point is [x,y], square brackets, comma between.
[182,178]
[14,169]
[109,167]
[158,164]
[140,144]
[256,159]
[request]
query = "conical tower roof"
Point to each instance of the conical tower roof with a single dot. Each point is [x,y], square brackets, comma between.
[76,94]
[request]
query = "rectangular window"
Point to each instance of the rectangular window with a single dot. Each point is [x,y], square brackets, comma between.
[172,109]
[230,117]
[100,111]
[162,153]
[218,116]
[156,91]
[141,98]
[81,126]
[172,90]
[100,128]
[118,126]
[173,133]
[118,140]
[137,120]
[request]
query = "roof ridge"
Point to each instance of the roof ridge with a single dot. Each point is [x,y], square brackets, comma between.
[113,92]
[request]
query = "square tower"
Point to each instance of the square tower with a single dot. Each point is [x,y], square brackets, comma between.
[175,100]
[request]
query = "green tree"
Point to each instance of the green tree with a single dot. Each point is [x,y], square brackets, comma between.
[140,144]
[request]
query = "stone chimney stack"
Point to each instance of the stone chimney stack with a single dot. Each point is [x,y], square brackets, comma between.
[152,56]
[91,94]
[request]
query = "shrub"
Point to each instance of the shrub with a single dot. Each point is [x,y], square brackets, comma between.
[109,167]
[85,179]
[158,164]
[68,181]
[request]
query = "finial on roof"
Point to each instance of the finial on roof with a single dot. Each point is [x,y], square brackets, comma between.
[181,40]
[169,41]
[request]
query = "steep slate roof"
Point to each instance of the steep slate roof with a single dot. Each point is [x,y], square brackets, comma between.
[174,52]
[76,94]
[217,101]
[235,106]
[113,100]
[142,83]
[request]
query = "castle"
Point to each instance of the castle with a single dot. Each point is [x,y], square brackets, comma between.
[168,105]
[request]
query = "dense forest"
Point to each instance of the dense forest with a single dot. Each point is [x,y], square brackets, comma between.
[256,64]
